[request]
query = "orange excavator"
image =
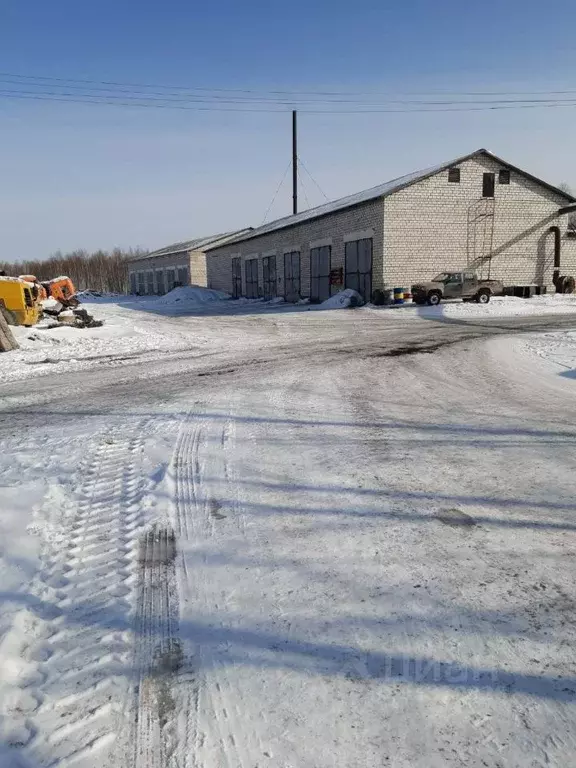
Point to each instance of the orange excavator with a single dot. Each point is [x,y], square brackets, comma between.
[64,297]
[62,290]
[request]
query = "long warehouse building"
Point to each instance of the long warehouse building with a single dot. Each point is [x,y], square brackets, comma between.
[477,211]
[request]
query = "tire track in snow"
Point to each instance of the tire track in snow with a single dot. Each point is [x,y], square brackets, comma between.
[85,656]
[158,651]
[210,713]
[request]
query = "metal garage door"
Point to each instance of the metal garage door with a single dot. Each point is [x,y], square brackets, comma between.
[251,268]
[320,273]
[269,276]
[133,283]
[292,276]
[150,282]
[170,279]
[359,267]
[236,277]
[160,282]
[184,275]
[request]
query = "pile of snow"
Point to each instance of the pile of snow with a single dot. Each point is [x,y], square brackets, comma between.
[553,303]
[51,305]
[192,294]
[90,294]
[52,348]
[499,306]
[346,298]
[557,348]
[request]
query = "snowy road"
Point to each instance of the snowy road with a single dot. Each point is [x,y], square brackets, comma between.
[326,540]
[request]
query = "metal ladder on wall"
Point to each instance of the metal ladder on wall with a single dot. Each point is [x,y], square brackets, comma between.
[480,236]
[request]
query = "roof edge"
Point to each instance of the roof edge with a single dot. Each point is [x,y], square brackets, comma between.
[204,245]
[410,182]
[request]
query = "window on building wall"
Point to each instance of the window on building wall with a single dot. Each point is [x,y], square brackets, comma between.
[488,184]
[454,175]
[504,176]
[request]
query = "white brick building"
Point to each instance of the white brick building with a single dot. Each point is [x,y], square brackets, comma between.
[180,263]
[476,211]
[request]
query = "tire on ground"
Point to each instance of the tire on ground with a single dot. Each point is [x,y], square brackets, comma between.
[483,296]
[565,284]
[434,298]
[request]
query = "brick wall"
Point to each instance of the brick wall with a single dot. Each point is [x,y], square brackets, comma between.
[194,260]
[198,268]
[435,225]
[366,219]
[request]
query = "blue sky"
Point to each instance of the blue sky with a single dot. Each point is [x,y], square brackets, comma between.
[78,175]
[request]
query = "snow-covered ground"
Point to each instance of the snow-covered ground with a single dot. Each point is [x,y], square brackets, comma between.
[261,536]
[131,330]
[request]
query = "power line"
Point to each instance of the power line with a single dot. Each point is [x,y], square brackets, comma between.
[301,180]
[275,195]
[278,108]
[301,162]
[289,92]
[143,95]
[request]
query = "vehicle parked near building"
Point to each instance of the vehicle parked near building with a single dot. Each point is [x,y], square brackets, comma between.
[465,285]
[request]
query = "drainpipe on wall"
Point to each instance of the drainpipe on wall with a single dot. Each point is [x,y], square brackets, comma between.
[557,252]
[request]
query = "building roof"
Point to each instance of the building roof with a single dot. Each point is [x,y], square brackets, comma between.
[198,244]
[380,191]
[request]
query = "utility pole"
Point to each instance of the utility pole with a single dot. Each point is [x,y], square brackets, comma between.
[294,164]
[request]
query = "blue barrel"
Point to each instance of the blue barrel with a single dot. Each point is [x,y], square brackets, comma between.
[398,295]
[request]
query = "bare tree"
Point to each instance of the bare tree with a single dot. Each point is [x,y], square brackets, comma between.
[104,271]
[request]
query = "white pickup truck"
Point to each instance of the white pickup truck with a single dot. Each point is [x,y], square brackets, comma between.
[463,285]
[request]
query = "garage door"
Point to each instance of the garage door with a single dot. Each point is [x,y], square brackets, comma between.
[160,282]
[359,267]
[236,277]
[184,275]
[252,278]
[320,273]
[292,276]
[269,276]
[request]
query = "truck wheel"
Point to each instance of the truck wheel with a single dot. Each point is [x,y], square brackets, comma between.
[434,298]
[483,296]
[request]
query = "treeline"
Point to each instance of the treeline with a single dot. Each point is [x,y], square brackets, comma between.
[105,271]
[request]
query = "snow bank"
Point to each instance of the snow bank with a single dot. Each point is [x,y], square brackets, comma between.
[192,294]
[499,306]
[554,303]
[557,348]
[59,349]
[343,299]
